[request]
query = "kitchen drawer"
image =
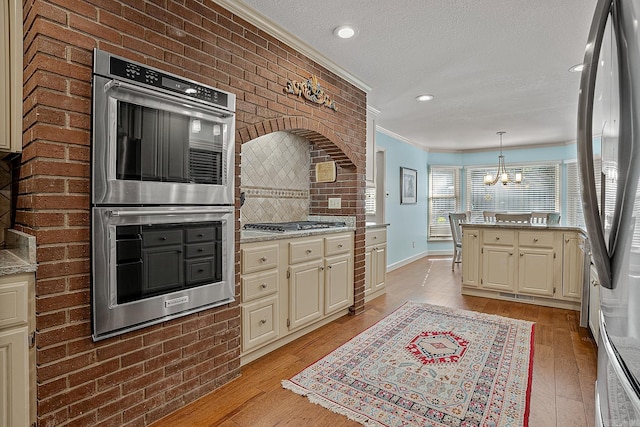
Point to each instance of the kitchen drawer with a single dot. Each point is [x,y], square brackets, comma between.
[259,258]
[304,250]
[199,250]
[337,244]
[204,234]
[161,238]
[259,285]
[536,238]
[498,237]
[13,303]
[259,323]
[200,271]
[375,236]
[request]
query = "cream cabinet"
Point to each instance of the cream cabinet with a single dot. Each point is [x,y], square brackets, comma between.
[574,258]
[11,76]
[538,265]
[375,262]
[537,262]
[471,257]
[498,265]
[16,355]
[292,286]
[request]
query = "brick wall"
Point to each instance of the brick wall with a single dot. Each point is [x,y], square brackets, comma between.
[138,377]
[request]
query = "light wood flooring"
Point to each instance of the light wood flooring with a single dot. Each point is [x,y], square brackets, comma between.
[564,368]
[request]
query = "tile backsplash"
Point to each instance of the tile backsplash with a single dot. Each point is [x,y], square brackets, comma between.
[274,171]
[5,199]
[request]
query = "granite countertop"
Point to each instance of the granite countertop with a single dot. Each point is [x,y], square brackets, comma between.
[19,254]
[376,224]
[248,236]
[522,226]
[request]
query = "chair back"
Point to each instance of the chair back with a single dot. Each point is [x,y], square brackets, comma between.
[553,218]
[539,217]
[489,216]
[514,218]
[455,219]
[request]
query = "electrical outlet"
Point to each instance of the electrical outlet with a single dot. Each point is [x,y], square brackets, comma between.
[335,202]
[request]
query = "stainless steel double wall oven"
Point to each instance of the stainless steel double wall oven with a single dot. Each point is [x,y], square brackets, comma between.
[162,215]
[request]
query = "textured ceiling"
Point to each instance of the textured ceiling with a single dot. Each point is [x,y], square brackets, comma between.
[492,65]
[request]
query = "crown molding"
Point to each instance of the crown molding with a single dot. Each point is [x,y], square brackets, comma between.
[240,9]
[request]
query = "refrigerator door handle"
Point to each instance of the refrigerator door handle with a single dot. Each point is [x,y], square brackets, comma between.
[592,220]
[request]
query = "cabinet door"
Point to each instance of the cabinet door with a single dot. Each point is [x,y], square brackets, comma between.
[259,322]
[535,271]
[368,270]
[498,268]
[470,257]
[14,377]
[306,302]
[379,268]
[338,283]
[573,266]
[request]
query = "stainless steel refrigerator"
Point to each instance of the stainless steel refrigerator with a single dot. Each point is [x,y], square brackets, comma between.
[609,106]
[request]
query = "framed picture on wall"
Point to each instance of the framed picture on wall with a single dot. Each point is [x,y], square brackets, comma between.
[409,186]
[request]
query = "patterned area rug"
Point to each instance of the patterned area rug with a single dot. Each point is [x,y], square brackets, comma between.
[426,365]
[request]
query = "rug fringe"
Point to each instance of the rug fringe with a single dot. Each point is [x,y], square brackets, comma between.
[327,404]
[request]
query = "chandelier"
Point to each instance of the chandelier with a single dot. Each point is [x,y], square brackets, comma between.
[501,175]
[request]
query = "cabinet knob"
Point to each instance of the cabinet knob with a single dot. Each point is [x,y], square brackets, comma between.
[263,321]
[497,238]
[340,245]
[511,254]
[309,251]
[321,268]
[535,239]
[521,254]
[263,286]
[263,259]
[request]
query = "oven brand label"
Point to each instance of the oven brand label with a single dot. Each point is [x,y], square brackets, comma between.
[176,301]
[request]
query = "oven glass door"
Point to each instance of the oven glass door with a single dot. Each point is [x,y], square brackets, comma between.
[155,148]
[151,264]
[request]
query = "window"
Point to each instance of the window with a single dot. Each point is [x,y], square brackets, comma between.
[575,216]
[539,191]
[370,201]
[444,197]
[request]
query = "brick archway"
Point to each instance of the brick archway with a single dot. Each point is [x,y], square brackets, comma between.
[311,129]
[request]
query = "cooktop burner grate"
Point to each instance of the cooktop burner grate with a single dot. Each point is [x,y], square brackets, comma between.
[281,227]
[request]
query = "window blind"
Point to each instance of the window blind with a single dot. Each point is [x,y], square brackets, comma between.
[370,201]
[574,214]
[444,198]
[539,190]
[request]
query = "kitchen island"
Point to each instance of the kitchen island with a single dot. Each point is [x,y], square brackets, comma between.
[536,264]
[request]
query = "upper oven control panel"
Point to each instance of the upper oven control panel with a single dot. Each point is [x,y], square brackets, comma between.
[109,65]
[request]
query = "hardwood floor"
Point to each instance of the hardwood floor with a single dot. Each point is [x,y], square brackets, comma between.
[564,368]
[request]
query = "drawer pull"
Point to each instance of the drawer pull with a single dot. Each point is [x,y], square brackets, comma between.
[263,259]
[200,250]
[263,286]
[263,321]
[497,238]
[375,237]
[535,239]
[309,251]
[340,245]
[200,235]
[200,270]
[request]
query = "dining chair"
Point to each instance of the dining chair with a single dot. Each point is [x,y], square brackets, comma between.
[513,218]
[489,216]
[539,217]
[455,219]
[553,218]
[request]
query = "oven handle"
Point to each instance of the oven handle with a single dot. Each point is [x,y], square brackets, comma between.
[118,84]
[167,212]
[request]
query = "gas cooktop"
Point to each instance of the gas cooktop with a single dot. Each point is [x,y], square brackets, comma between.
[281,227]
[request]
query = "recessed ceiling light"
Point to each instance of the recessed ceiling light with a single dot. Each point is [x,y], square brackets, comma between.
[425,97]
[576,68]
[345,31]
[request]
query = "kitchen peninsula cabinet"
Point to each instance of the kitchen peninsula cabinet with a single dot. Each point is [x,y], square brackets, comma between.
[535,264]
[291,286]
[11,76]
[375,262]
